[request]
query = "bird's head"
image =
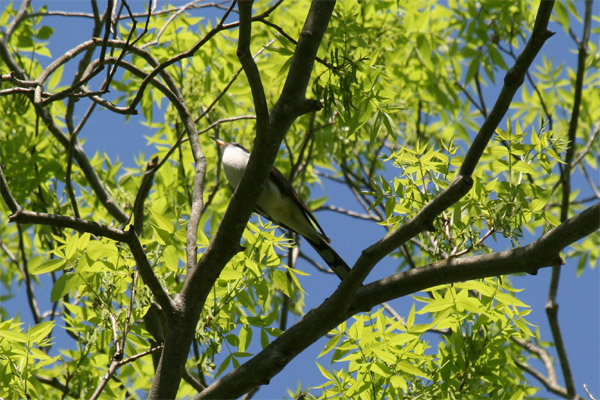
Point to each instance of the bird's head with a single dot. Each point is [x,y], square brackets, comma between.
[225,145]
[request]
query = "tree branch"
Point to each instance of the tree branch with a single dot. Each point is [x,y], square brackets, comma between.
[250,68]
[543,252]
[550,382]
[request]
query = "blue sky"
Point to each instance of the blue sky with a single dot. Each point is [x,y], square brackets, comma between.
[578,298]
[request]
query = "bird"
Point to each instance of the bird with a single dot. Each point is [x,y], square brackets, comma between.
[280,203]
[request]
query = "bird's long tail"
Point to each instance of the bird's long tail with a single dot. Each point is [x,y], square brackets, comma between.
[333,259]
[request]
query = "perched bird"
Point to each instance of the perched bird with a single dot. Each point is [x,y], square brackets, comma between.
[280,203]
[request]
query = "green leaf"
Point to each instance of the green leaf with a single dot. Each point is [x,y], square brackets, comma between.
[380,369]
[399,382]
[171,258]
[562,14]
[521,166]
[55,78]
[71,246]
[44,32]
[410,321]
[163,223]
[40,331]
[330,345]
[61,286]
[411,369]
[264,339]
[230,274]
[245,337]
[51,265]
[282,282]
[224,365]
[551,219]
[507,299]
[472,70]
[325,372]
[13,336]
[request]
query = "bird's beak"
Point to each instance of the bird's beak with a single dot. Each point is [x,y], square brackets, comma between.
[219,142]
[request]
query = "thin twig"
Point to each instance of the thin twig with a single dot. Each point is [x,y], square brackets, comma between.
[116,364]
[588,392]
[550,382]
[592,184]
[588,145]
[350,213]
[219,27]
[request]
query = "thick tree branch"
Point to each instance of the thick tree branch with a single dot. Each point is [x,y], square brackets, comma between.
[543,252]
[140,198]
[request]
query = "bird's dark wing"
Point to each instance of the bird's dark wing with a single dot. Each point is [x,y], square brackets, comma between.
[284,186]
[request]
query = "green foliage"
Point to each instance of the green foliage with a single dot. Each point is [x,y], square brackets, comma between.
[399,86]
[390,358]
[22,355]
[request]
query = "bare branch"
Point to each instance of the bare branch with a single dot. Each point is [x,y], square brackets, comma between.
[550,382]
[80,225]
[150,279]
[219,27]
[116,364]
[349,213]
[588,145]
[250,68]
[23,266]
[315,263]
[588,392]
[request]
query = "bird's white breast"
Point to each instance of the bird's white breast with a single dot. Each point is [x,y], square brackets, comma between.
[235,161]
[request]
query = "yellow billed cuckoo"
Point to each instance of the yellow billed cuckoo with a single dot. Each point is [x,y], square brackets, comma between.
[280,203]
